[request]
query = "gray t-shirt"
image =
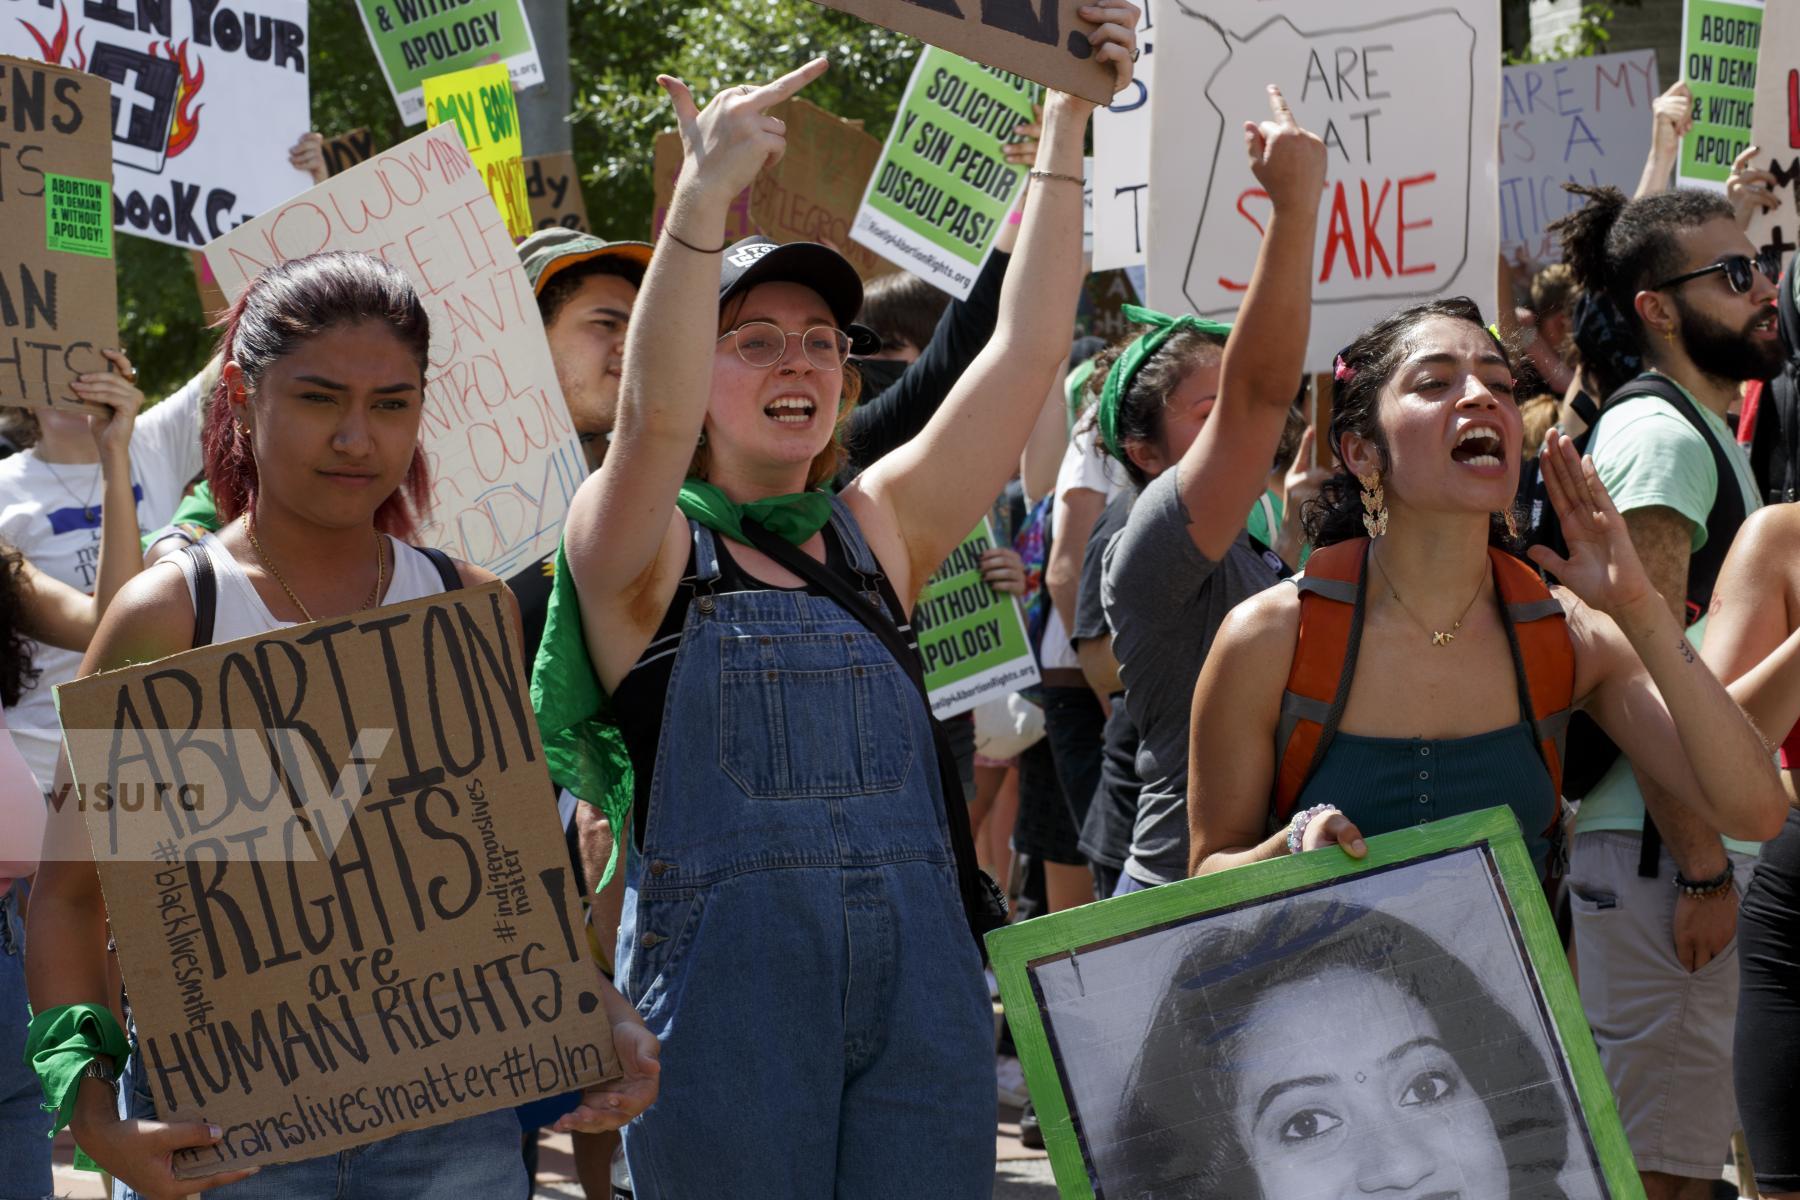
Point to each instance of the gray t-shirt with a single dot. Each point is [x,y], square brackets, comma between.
[1165,602]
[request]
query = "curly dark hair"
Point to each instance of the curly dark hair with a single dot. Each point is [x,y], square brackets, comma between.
[1141,407]
[1335,515]
[1204,1012]
[16,672]
[1617,247]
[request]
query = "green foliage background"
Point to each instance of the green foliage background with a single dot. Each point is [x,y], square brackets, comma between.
[616,49]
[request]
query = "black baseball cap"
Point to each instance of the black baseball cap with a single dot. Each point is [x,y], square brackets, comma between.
[756,259]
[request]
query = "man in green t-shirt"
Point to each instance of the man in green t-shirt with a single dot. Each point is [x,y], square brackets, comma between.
[1657,953]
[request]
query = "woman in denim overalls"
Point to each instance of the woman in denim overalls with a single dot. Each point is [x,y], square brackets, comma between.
[793,930]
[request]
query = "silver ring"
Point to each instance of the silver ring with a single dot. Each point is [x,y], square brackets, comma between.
[1134,53]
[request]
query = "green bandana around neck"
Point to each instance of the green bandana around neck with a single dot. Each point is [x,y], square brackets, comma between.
[1126,367]
[793,518]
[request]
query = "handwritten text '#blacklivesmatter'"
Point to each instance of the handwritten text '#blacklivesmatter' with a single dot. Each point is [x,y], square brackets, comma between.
[469,681]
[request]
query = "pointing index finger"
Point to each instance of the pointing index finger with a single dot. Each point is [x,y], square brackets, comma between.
[1279,106]
[787,85]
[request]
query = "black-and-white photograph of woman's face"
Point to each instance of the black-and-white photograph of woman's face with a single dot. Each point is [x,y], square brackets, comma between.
[1379,1036]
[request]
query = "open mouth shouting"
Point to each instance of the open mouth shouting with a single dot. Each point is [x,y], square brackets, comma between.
[790,410]
[1481,447]
[1765,327]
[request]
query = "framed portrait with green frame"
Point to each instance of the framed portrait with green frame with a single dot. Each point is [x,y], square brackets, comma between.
[1315,1027]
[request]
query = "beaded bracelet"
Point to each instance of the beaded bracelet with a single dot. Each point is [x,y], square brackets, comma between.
[1057,175]
[1700,889]
[1297,827]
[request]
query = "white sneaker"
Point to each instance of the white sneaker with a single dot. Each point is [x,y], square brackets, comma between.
[1009,1077]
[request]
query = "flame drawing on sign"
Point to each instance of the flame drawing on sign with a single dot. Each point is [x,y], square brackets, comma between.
[53,48]
[186,124]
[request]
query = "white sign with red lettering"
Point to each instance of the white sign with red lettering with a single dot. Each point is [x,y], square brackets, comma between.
[1410,208]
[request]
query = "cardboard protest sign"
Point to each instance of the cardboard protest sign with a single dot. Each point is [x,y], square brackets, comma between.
[1583,120]
[665,165]
[1157,1030]
[351,919]
[496,433]
[553,185]
[58,293]
[971,637]
[206,100]
[1099,312]
[345,150]
[1410,204]
[1121,178]
[812,194]
[416,39]
[480,103]
[936,199]
[1776,130]
[1045,41]
[212,299]
[1719,44]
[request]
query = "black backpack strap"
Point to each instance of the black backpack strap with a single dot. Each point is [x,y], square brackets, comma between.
[983,902]
[1585,408]
[1779,395]
[446,567]
[206,593]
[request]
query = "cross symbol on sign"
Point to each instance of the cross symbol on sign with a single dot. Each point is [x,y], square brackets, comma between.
[143,102]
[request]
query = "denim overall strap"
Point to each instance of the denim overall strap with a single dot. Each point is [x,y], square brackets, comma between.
[792,927]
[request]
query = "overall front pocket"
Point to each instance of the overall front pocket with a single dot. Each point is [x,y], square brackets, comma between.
[787,733]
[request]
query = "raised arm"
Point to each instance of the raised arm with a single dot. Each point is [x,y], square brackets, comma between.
[1672,115]
[55,612]
[1225,470]
[620,517]
[1654,697]
[1753,629]
[934,488]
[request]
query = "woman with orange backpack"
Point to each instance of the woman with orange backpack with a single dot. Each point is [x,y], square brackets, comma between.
[1420,670]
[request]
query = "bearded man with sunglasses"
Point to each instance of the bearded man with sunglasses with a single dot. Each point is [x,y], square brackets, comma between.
[1655,900]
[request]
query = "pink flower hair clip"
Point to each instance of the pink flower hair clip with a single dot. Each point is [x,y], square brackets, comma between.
[1341,370]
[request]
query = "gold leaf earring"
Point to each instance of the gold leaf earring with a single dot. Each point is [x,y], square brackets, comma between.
[1374,502]
[1512,524]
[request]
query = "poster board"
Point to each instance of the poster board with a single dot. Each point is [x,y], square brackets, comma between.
[665,165]
[59,303]
[1582,120]
[1164,1009]
[1045,41]
[1776,130]
[479,102]
[359,922]
[496,432]
[1099,312]
[936,198]
[971,637]
[344,150]
[553,185]
[212,299]
[1410,204]
[416,39]
[1720,40]
[1121,177]
[206,98]
[812,194]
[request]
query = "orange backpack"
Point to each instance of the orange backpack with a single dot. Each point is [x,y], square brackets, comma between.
[1325,661]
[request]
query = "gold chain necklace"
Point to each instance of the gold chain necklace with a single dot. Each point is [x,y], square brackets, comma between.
[263,558]
[1438,637]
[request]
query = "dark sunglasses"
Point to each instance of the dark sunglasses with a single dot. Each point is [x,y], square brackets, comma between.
[1737,269]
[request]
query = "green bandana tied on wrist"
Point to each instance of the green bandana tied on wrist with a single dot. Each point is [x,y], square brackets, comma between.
[1126,367]
[59,1044]
[583,746]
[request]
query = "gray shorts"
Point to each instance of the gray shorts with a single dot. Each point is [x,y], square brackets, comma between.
[1664,1034]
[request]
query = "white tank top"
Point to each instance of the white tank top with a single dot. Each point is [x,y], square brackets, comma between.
[239,611]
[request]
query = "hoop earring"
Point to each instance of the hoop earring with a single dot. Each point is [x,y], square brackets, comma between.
[1374,502]
[702,440]
[1512,524]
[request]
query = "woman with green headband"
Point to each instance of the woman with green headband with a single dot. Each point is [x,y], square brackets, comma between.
[793,929]
[1196,417]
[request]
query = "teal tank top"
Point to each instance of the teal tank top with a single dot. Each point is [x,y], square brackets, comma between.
[1385,784]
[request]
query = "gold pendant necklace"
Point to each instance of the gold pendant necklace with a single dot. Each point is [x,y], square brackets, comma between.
[1439,637]
[368,601]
